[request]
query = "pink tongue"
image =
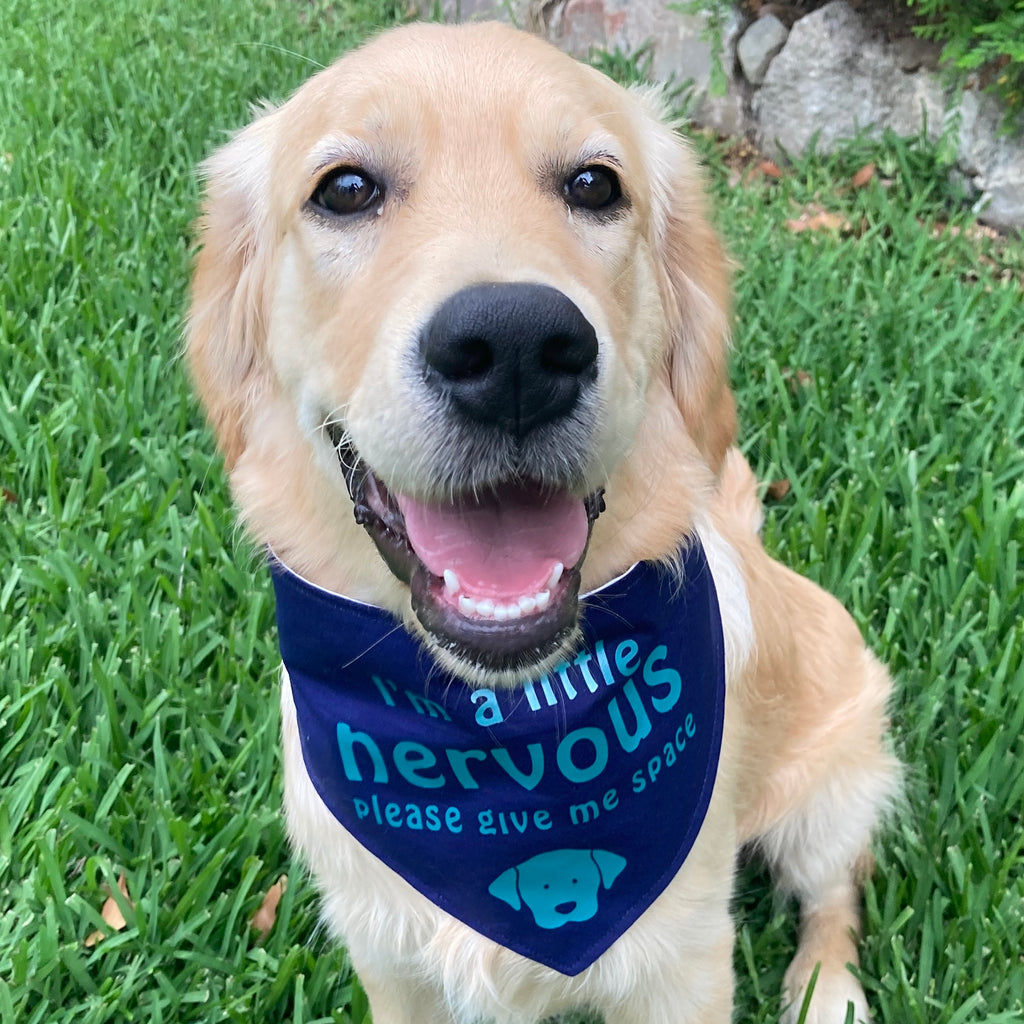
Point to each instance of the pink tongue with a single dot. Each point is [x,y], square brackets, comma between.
[501,546]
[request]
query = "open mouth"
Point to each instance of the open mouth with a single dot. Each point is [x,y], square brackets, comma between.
[494,575]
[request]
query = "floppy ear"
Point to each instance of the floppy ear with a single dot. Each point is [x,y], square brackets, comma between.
[226,322]
[695,286]
[506,887]
[609,864]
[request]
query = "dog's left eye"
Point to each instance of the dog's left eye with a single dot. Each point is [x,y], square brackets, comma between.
[592,188]
[346,190]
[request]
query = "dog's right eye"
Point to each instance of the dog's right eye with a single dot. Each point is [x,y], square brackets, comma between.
[345,191]
[595,188]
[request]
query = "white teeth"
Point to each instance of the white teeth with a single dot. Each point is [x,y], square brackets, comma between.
[486,608]
[556,575]
[451,582]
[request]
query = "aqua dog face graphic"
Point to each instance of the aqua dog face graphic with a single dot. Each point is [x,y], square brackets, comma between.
[559,886]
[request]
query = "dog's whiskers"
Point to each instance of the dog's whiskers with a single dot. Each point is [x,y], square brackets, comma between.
[286,52]
[391,632]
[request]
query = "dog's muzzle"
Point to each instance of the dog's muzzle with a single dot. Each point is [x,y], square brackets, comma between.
[494,570]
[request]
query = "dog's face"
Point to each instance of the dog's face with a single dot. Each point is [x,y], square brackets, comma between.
[453,291]
[559,886]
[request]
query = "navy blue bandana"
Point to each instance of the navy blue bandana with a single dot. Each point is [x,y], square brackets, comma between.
[547,817]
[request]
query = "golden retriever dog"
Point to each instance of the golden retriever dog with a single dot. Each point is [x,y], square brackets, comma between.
[460,325]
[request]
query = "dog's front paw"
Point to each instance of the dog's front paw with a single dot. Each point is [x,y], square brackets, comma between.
[835,990]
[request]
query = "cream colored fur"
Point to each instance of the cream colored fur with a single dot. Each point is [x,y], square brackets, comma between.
[290,318]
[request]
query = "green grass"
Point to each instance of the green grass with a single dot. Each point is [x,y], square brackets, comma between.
[904,446]
[138,721]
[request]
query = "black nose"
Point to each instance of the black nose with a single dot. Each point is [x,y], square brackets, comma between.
[515,356]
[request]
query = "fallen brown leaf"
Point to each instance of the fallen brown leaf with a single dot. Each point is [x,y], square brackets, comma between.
[797,378]
[863,176]
[821,221]
[744,161]
[770,169]
[111,914]
[973,232]
[9,495]
[264,918]
[777,490]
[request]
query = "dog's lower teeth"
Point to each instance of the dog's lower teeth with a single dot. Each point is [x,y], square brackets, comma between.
[556,575]
[451,582]
[486,608]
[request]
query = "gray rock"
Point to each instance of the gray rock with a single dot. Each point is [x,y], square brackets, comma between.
[759,45]
[993,161]
[913,53]
[681,50]
[833,80]
[514,12]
